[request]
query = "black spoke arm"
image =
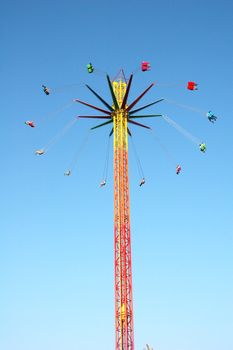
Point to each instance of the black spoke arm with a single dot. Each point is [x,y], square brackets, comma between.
[112,93]
[139,124]
[98,126]
[145,116]
[127,92]
[100,98]
[139,97]
[94,107]
[150,104]
[94,116]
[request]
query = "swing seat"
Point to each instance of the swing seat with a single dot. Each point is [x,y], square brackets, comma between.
[191,85]
[145,66]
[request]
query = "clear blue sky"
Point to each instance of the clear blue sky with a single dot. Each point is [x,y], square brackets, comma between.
[56,250]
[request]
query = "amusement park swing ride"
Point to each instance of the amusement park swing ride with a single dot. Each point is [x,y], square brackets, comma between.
[121,115]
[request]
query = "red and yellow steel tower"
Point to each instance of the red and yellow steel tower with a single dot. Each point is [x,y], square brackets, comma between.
[121,114]
[122,238]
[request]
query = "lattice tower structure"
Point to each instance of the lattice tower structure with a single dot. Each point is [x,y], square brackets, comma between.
[124,330]
[120,115]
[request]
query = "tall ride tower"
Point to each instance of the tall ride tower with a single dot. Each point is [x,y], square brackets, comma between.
[121,114]
[122,239]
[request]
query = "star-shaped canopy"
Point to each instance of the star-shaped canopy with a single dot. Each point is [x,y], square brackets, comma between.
[108,113]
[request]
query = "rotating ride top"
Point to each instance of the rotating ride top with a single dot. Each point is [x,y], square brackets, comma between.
[121,115]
